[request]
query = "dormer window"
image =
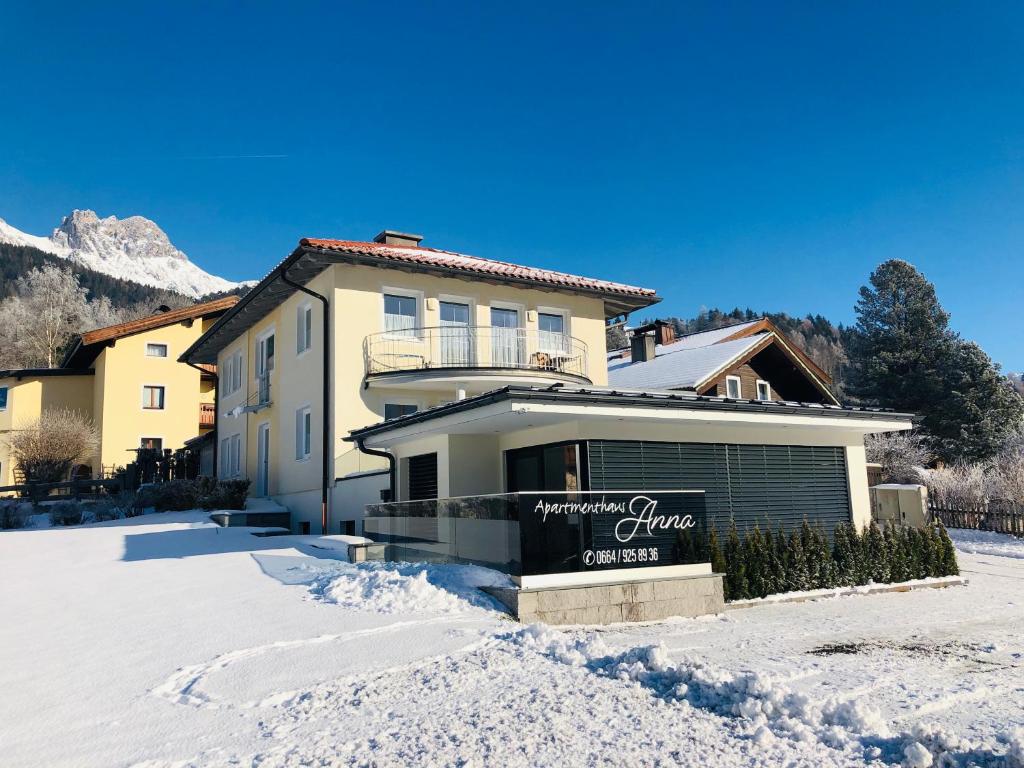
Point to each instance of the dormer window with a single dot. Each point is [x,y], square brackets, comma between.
[733,388]
[764,391]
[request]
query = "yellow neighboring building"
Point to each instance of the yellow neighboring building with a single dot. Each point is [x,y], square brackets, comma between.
[127,379]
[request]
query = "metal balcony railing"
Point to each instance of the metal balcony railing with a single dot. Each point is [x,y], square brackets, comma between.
[263,389]
[416,349]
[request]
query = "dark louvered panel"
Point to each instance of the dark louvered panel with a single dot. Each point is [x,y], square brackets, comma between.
[766,485]
[423,477]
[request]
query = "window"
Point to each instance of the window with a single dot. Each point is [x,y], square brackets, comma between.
[395,410]
[156,350]
[152,443]
[153,398]
[733,388]
[399,314]
[303,329]
[3,398]
[265,355]
[422,476]
[764,391]
[231,456]
[231,377]
[303,428]
[551,329]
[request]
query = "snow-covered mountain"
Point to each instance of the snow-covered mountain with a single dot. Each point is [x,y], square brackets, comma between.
[133,249]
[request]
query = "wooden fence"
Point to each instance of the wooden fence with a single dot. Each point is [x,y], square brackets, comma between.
[87,488]
[1001,517]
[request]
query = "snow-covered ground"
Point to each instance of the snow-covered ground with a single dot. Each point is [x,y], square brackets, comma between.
[165,641]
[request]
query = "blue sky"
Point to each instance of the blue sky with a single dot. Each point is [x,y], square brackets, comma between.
[766,155]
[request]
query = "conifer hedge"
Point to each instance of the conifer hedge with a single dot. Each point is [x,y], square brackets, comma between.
[759,564]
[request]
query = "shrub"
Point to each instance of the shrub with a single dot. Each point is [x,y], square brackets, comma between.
[226,494]
[65,513]
[46,448]
[901,454]
[893,555]
[736,587]
[104,509]
[172,496]
[14,514]
[715,554]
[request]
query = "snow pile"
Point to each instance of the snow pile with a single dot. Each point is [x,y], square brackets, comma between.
[391,588]
[769,709]
[987,543]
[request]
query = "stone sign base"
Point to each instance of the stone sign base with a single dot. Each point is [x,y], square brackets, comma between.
[641,600]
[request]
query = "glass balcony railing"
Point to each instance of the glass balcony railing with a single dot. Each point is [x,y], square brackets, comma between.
[527,534]
[417,349]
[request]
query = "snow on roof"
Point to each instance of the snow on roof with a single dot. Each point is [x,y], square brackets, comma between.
[685,363]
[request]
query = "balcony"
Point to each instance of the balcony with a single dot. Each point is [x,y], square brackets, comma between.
[207,414]
[462,350]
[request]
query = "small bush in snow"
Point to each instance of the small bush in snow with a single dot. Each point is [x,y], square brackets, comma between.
[13,514]
[46,448]
[172,496]
[227,494]
[66,513]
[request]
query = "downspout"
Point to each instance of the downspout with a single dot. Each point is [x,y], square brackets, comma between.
[392,474]
[327,450]
[216,408]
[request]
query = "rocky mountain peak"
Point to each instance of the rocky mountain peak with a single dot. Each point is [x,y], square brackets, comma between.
[134,236]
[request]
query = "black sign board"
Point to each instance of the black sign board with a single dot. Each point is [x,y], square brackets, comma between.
[562,532]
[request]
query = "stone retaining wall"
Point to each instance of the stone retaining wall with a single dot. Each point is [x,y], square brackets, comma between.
[611,603]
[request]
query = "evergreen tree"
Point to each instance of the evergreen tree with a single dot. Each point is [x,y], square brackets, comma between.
[980,410]
[780,559]
[950,567]
[736,566]
[772,566]
[715,556]
[895,549]
[903,355]
[861,560]
[796,565]
[754,545]
[877,555]
[823,555]
[843,555]
[901,340]
[921,553]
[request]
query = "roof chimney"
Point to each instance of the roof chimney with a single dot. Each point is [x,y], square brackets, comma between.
[641,347]
[393,237]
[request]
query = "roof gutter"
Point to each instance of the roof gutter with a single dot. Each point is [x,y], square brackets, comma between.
[392,465]
[326,450]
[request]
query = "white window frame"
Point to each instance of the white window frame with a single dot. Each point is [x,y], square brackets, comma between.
[163,406]
[566,316]
[261,338]
[303,337]
[230,378]
[164,344]
[236,455]
[739,387]
[409,293]
[303,439]
[767,387]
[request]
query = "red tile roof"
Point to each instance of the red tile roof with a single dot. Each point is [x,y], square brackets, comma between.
[158,320]
[460,261]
